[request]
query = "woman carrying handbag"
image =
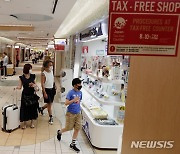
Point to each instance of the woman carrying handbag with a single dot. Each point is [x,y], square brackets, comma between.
[29,100]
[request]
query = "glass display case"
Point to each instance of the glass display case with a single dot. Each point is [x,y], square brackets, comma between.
[104,95]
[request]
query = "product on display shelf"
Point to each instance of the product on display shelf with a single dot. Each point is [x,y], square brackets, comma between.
[121,114]
[88,71]
[116,73]
[89,104]
[122,93]
[106,122]
[105,71]
[99,113]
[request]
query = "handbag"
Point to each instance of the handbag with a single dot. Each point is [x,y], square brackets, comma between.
[54,89]
[30,100]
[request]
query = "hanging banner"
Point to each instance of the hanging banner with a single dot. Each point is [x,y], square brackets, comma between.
[144,27]
[59,47]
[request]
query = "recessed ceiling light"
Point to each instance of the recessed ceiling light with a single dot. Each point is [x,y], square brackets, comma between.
[7,0]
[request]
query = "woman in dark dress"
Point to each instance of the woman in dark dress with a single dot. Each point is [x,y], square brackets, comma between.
[27,81]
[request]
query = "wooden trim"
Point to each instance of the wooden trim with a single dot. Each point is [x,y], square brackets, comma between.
[153,103]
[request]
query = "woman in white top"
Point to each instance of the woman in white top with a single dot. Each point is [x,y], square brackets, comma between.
[48,87]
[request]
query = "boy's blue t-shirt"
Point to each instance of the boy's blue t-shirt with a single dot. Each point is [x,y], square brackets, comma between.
[74,107]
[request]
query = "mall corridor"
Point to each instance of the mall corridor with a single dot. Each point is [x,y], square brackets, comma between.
[41,139]
[116,65]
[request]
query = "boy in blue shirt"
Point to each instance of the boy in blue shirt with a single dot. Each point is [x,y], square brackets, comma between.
[73,115]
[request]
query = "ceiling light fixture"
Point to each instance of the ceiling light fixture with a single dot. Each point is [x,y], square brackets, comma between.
[16,25]
[7,0]
[97,38]
[8,27]
[39,38]
[13,16]
[54,6]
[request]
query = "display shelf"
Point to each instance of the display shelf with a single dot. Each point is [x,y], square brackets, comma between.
[95,123]
[102,101]
[99,134]
[105,80]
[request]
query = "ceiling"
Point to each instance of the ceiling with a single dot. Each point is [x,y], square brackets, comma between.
[36,14]
[84,14]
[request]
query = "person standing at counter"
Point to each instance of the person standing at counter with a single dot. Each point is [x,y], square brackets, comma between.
[73,115]
[5,63]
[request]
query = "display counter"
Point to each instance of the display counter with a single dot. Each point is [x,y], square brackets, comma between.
[101,136]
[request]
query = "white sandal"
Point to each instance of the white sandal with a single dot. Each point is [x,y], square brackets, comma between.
[24,127]
[32,126]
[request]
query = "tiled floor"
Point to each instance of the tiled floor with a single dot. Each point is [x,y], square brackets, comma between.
[39,145]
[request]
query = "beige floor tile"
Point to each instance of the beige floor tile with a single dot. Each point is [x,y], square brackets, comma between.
[29,136]
[13,142]
[4,135]
[18,131]
[30,131]
[15,136]
[3,141]
[42,131]
[52,135]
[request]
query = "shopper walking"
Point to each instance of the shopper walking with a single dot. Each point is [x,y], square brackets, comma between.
[48,88]
[5,63]
[17,60]
[37,57]
[33,58]
[73,116]
[29,102]
[1,69]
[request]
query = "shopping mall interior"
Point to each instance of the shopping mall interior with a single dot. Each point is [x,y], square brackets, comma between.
[127,64]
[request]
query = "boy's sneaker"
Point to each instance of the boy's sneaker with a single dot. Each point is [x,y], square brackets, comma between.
[59,135]
[51,120]
[73,147]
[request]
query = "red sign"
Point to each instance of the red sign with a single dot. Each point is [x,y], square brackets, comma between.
[59,47]
[144,27]
[85,49]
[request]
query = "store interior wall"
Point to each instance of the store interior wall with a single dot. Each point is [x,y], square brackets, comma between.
[153,103]
[77,63]
[95,45]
